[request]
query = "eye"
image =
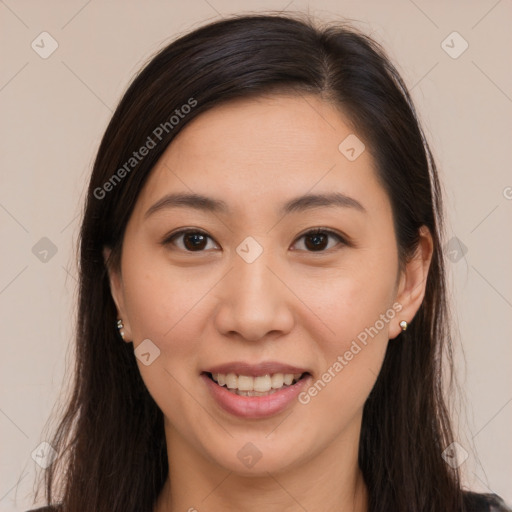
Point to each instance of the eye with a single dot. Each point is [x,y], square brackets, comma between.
[317,240]
[193,240]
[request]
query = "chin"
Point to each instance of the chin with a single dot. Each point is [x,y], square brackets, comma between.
[256,457]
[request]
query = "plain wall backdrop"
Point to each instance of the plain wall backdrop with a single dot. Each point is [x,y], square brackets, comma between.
[65,66]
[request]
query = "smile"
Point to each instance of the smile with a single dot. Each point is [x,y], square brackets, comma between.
[246,385]
[254,397]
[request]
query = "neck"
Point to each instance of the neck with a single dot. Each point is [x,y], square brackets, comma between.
[328,482]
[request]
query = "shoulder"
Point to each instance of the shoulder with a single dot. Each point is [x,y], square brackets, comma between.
[476,502]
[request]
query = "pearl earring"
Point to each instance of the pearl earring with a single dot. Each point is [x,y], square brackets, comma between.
[120,326]
[403,325]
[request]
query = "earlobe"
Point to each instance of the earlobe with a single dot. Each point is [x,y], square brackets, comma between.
[413,282]
[117,292]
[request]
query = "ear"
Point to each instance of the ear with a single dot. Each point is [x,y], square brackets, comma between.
[413,282]
[117,291]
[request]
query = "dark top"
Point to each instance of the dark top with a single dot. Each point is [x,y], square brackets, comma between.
[484,502]
[474,503]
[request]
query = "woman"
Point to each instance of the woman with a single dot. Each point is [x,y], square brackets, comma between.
[262,315]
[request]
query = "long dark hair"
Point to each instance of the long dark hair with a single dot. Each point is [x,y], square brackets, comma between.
[110,440]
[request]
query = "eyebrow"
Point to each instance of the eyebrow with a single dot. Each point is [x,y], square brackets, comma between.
[297,204]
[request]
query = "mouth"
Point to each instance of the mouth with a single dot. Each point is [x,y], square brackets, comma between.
[260,385]
[252,397]
[255,391]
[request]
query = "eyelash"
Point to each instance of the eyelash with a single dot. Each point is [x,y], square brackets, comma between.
[316,231]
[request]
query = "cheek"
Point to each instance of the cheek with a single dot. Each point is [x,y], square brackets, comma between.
[355,311]
[164,307]
[352,300]
[351,358]
[156,294]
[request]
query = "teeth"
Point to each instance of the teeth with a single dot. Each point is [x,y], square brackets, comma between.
[277,381]
[262,384]
[231,381]
[245,383]
[253,386]
[288,379]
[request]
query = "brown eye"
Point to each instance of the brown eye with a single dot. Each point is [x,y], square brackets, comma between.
[191,240]
[318,240]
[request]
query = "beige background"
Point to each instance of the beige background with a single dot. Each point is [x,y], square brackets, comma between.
[55,110]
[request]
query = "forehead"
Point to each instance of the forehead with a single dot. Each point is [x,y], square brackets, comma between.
[261,150]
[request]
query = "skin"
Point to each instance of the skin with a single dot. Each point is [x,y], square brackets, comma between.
[292,304]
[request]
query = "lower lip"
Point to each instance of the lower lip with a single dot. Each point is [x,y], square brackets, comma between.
[252,407]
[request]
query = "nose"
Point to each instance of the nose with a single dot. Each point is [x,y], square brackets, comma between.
[254,301]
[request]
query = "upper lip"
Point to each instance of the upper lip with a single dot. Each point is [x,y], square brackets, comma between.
[255,370]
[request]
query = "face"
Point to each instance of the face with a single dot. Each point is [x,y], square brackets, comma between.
[262,285]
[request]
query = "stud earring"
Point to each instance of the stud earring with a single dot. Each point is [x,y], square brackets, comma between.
[120,326]
[403,325]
